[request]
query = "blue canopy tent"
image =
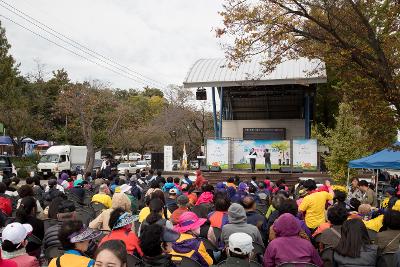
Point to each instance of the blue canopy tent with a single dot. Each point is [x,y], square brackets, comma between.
[388,158]
[6,140]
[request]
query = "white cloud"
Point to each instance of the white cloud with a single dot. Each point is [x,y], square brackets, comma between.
[158,38]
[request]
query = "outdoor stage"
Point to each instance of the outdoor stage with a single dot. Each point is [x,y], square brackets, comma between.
[291,178]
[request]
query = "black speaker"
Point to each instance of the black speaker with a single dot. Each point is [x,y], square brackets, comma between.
[204,168]
[297,170]
[215,169]
[201,94]
[290,170]
[157,161]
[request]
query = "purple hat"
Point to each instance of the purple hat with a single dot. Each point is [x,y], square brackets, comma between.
[189,221]
[220,186]
[243,186]
[64,176]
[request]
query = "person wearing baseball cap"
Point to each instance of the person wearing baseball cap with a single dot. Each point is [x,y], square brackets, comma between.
[189,244]
[170,201]
[75,239]
[13,245]
[183,206]
[239,250]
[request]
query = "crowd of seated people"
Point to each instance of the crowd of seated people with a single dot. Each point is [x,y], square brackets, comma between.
[148,220]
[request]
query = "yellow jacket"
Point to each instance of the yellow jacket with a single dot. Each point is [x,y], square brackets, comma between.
[72,258]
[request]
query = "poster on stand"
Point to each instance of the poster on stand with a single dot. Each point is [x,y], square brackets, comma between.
[279,153]
[218,153]
[168,158]
[305,154]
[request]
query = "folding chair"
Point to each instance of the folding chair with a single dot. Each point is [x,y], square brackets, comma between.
[187,262]
[212,250]
[74,198]
[386,260]
[252,263]
[97,207]
[84,216]
[48,223]
[136,224]
[262,208]
[372,234]
[132,261]
[327,256]
[258,252]
[53,252]
[297,264]
[209,245]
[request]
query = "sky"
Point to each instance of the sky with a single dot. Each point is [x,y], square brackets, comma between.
[159,39]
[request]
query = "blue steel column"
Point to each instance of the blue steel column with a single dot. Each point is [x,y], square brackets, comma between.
[221,110]
[307,115]
[214,112]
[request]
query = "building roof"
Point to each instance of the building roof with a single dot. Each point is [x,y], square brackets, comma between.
[216,73]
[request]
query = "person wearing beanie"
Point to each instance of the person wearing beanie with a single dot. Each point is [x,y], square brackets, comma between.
[183,204]
[238,224]
[239,251]
[243,190]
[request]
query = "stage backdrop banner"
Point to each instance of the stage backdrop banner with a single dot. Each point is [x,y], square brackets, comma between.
[218,153]
[279,149]
[305,154]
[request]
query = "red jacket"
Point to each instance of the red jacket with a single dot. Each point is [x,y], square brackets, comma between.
[7,263]
[6,205]
[130,239]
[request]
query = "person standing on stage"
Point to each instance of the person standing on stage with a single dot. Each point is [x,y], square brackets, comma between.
[253,161]
[267,157]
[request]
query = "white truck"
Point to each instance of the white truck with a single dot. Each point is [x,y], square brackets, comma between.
[62,158]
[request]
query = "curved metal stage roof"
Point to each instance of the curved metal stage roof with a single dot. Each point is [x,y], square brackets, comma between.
[216,73]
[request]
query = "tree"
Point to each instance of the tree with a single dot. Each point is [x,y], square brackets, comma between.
[345,143]
[8,68]
[185,121]
[356,38]
[150,92]
[14,105]
[97,112]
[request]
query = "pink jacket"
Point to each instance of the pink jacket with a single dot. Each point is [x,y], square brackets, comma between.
[206,197]
[25,261]
[7,263]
